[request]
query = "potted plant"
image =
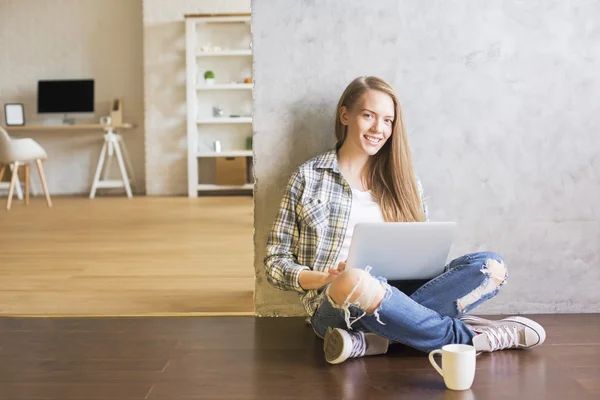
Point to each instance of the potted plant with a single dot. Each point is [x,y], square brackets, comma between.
[209,77]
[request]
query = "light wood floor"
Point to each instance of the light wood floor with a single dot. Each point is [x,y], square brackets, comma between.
[119,256]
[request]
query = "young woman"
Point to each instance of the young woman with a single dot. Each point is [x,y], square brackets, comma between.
[368,177]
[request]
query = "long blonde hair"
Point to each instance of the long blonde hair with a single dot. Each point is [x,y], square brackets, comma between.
[389,175]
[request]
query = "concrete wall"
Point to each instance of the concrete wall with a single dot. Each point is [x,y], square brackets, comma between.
[74,39]
[165,88]
[501,102]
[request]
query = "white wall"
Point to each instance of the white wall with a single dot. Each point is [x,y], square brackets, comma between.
[165,88]
[502,108]
[72,39]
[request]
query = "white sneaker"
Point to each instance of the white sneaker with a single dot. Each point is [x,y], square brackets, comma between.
[341,345]
[508,333]
[474,320]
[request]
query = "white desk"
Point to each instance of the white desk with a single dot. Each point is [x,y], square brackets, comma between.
[113,146]
[58,127]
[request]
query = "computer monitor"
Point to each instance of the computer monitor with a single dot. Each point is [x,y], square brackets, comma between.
[66,96]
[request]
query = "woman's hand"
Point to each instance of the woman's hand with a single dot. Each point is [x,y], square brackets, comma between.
[330,276]
[310,280]
[333,273]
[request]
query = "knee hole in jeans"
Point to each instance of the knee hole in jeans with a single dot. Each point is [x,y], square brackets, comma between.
[356,286]
[497,275]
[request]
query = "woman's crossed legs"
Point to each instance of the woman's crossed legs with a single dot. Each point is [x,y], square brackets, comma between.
[361,314]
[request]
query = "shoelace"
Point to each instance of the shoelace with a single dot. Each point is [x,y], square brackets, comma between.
[359,344]
[502,337]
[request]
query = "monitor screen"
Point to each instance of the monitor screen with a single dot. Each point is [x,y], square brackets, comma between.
[66,96]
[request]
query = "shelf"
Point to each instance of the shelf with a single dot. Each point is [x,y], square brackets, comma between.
[206,187]
[220,18]
[229,21]
[226,86]
[225,120]
[224,53]
[234,153]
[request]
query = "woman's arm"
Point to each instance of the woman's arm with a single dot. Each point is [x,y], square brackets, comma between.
[281,267]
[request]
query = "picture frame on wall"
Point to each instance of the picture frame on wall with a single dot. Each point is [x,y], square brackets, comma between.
[14,114]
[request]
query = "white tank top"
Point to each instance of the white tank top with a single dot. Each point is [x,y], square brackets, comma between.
[364,209]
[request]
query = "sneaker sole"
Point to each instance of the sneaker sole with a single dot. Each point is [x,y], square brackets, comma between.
[537,328]
[336,346]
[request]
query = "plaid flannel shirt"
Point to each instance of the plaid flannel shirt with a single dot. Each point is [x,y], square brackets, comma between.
[309,229]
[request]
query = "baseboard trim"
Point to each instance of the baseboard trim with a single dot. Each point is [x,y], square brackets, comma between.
[133,315]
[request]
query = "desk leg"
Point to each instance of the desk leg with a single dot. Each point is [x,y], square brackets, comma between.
[98,171]
[127,160]
[112,145]
[117,148]
[106,175]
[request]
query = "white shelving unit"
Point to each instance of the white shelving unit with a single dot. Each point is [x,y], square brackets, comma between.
[220,43]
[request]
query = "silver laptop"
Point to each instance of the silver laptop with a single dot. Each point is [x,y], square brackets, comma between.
[402,250]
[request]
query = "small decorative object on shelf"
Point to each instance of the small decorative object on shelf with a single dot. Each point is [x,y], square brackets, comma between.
[249,143]
[248,80]
[209,77]
[217,146]
[217,111]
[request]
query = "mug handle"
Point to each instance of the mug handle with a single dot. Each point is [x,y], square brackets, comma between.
[433,363]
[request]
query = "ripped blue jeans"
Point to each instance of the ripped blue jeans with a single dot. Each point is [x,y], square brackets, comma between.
[426,319]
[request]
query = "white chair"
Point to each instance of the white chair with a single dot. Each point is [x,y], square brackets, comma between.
[17,152]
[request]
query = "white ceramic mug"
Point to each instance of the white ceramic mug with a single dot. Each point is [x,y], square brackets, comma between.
[458,362]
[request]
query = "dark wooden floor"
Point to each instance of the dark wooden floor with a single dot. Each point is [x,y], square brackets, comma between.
[248,358]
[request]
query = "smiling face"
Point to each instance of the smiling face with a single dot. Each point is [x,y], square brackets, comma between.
[369,121]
